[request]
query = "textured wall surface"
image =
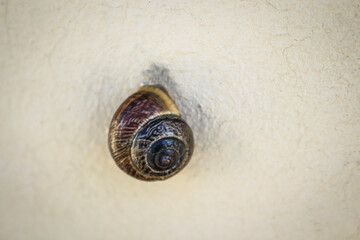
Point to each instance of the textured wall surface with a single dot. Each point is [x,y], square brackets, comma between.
[271,90]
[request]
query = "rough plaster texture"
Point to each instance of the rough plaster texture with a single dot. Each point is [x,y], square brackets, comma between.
[271,89]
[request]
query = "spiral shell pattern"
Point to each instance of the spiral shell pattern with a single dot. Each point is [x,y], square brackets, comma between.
[147,138]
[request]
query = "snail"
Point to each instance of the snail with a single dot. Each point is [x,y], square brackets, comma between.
[147,137]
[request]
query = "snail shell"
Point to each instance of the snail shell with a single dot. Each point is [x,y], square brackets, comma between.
[147,138]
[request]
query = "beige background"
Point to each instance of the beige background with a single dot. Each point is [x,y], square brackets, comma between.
[270,88]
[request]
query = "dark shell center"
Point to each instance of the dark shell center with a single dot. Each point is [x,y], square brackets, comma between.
[166,159]
[166,153]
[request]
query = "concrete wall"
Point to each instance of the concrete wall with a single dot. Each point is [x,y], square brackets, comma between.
[270,88]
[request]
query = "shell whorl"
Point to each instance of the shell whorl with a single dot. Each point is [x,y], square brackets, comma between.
[148,139]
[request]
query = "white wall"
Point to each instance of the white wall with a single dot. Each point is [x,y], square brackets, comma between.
[271,89]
